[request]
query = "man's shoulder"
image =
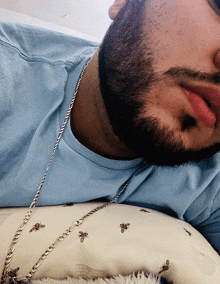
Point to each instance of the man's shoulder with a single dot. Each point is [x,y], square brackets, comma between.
[38,42]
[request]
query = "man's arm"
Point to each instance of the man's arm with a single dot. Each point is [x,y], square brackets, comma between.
[210,229]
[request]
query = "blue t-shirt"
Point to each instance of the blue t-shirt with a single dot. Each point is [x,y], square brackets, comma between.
[39,70]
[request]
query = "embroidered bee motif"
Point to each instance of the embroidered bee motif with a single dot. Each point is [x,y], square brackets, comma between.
[36,227]
[82,236]
[13,276]
[165,267]
[188,232]
[144,210]
[124,227]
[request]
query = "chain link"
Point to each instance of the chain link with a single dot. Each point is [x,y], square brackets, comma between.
[5,273]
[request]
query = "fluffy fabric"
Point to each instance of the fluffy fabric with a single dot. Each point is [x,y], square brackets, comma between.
[135,278]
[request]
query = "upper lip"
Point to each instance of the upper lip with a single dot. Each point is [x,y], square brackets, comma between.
[209,93]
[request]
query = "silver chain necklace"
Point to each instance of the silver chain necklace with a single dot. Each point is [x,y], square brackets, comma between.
[11,276]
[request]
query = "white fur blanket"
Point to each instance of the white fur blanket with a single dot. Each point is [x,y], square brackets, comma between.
[135,278]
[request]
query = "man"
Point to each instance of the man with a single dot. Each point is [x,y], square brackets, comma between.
[148,108]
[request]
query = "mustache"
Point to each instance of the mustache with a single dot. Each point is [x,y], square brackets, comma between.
[192,74]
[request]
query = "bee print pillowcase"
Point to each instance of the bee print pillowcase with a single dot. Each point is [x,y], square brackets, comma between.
[118,239]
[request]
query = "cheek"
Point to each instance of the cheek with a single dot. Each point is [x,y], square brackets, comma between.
[179,32]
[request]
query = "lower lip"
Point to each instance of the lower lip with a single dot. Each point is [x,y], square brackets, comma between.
[200,109]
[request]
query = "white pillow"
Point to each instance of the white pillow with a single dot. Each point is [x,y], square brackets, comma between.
[149,241]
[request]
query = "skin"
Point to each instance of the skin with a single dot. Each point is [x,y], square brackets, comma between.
[175,33]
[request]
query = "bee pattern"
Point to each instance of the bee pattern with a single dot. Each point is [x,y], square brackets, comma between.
[144,210]
[13,274]
[165,267]
[36,227]
[82,236]
[124,227]
[188,232]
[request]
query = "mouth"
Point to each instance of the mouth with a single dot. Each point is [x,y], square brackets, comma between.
[205,102]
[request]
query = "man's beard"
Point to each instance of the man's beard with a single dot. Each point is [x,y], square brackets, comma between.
[125,72]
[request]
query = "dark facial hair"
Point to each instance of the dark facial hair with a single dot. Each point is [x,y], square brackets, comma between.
[125,72]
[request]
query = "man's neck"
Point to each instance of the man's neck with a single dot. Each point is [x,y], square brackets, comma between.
[89,120]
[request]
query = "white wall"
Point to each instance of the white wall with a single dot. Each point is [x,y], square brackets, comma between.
[85,16]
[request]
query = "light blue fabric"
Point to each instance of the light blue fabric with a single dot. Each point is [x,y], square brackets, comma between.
[39,70]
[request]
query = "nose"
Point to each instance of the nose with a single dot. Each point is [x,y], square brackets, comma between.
[217,59]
